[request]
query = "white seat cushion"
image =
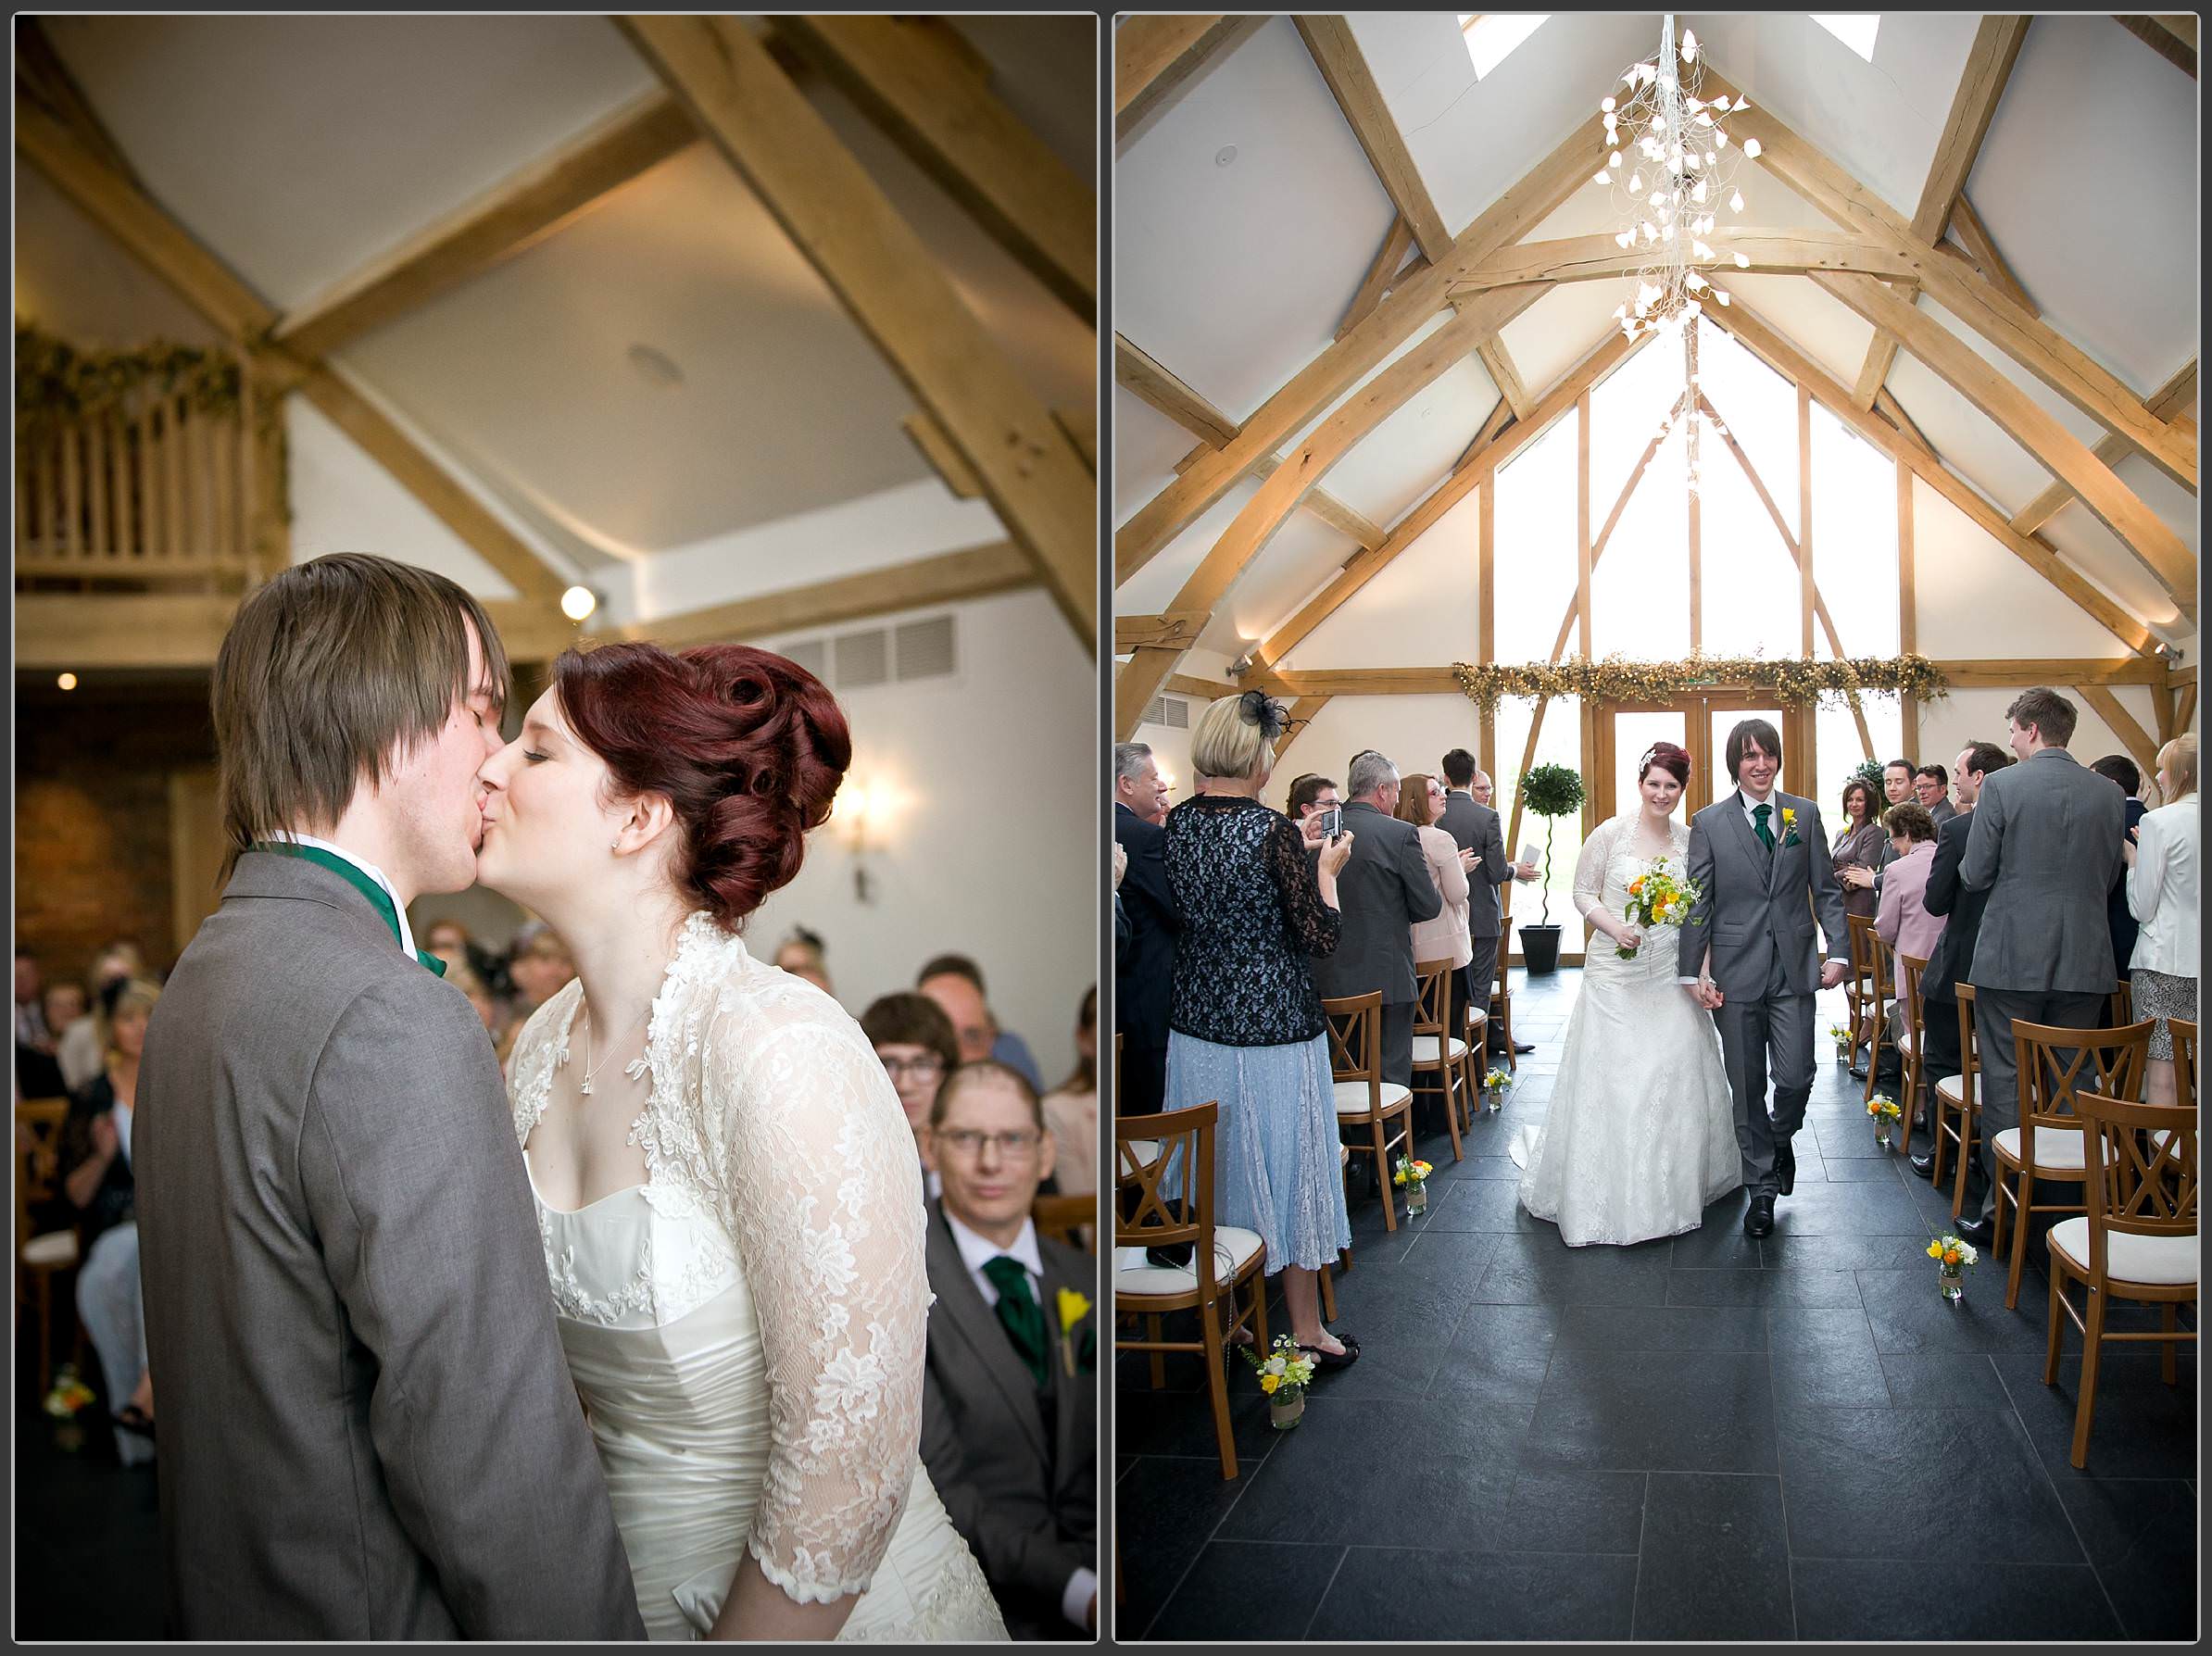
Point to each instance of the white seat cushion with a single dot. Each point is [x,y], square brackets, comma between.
[1425,1050]
[2170,1260]
[2057,1149]
[1904,1040]
[54,1250]
[1233,1249]
[1352,1096]
[1953,1088]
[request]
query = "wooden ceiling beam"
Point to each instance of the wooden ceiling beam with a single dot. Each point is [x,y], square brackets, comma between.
[2141,746]
[1390,262]
[2171,402]
[1344,66]
[2172,36]
[1343,364]
[910,76]
[1499,365]
[1974,236]
[842,223]
[43,77]
[508,220]
[1324,506]
[1771,252]
[1153,55]
[2142,531]
[1768,343]
[1885,402]
[1980,86]
[1138,373]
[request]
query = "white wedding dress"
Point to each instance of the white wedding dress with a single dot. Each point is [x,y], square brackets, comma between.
[1641,1130]
[746,1328]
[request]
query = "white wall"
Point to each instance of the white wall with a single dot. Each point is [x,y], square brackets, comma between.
[1963,716]
[998,848]
[1977,600]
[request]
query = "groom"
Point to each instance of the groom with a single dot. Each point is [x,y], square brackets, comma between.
[1761,863]
[368,1429]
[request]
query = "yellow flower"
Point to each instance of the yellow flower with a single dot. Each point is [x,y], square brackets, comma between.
[1935,1250]
[1269,1382]
[1073,1307]
[1788,816]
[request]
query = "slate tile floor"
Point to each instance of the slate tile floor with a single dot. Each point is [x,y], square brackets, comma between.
[1706,1437]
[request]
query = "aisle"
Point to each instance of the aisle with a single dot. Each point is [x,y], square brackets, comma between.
[1703,1438]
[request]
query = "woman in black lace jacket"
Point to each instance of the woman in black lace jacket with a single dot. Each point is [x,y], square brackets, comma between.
[1258,896]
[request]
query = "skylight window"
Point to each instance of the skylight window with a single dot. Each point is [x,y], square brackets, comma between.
[1491,36]
[1856,29]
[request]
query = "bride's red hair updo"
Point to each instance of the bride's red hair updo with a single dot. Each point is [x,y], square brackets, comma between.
[1674,761]
[747,746]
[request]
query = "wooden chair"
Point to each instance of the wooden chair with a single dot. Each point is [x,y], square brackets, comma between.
[2056,1063]
[1878,1007]
[1070,1219]
[1961,1092]
[1858,987]
[2184,1036]
[1366,1104]
[44,1256]
[1443,1061]
[1500,1010]
[1911,1046]
[2137,1240]
[1223,1258]
[2123,1004]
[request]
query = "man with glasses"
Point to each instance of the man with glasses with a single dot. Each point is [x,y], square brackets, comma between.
[1010,1397]
[918,1048]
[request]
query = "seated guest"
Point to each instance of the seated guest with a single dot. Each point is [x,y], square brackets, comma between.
[1010,1396]
[95,1176]
[1931,786]
[65,1008]
[802,954]
[37,1075]
[2163,894]
[80,1052]
[1072,1108]
[1145,965]
[1955,949]
[1447,937]
[2045,844]
[2119,770]
[955,982]
[916,1046]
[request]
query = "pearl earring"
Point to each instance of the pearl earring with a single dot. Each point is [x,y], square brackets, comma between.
[615,844]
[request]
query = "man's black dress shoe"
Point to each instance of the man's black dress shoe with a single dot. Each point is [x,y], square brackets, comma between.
[1758,1219]
[1524,1046]
[1977,1231]
[1924,1166]
[1785,1165]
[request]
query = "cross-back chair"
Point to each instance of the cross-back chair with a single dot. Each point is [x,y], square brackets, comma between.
[1439,1064]
[1378,1113]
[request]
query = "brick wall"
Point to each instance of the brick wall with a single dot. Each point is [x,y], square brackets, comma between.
[91,816]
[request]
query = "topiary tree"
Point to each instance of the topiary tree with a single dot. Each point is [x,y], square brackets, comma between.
[1551,792]
[1868,771]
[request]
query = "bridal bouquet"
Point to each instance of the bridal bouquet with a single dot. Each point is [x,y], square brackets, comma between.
[1658,896]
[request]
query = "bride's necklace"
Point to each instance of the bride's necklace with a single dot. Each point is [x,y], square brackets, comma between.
[635,1069]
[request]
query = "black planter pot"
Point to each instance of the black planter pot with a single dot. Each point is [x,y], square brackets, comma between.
[1540,950]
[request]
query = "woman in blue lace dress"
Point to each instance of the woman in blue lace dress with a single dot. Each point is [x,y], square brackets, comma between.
[1258,896]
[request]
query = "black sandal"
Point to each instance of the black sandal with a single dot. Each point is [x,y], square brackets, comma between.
[132,1417]
[1325,1359]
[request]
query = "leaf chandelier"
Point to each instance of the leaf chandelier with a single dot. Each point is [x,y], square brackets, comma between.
[1669,163]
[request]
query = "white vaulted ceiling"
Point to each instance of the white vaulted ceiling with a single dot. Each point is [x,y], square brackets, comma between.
[1234,276]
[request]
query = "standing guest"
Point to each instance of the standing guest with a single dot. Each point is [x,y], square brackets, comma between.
[65,1008]
[2120,770]
[1897,787]
[1386,888]
[1246,1029]
[1310,794]
[541,966]
[1421,802]
[81,1051]
[31,1020]
[914,1042]
[1962,929]
[1474,826]
[95,1176]
[1931,786]
[2045,844]
[1859,849]
[1072,1108]
[2163,894]
[1010,1396]
[955,982]
[462,976]
[1144,970]
[449,940]
[804,955]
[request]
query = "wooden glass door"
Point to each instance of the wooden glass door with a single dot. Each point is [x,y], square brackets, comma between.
[1700,722]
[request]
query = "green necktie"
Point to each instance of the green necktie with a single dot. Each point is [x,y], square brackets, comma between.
[379,898]
[1759,815]
[1022,1318]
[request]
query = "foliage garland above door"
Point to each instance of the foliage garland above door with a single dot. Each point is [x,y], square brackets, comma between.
[1615,680]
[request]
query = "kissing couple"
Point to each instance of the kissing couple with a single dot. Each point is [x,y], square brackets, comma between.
[631,1345]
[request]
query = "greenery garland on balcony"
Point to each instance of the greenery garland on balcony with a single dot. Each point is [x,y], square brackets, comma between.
[1615,680]
[56,380]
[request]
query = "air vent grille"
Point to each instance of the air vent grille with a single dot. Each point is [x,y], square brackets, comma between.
[925,648]
[863,658]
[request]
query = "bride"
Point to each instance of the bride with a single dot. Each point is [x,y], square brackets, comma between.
[726,1187]
[1641,1130]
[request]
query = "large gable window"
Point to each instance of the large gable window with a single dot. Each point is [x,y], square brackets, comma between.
[1855,30]
[1491,36]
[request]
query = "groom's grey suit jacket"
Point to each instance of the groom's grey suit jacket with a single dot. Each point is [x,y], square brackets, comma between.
[1753,908]
[368,1429]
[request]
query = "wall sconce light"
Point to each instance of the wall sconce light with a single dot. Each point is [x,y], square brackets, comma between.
[862,818]
[578,603]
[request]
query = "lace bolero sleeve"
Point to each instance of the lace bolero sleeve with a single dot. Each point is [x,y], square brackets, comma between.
[1589,872]
[821,1192]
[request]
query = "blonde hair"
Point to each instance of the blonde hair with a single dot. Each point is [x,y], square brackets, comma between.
[2178,759]
[1229,745]
[138,995]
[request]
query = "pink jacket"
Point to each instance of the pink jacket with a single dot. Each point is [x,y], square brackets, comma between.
[1903,922]
[1445,938]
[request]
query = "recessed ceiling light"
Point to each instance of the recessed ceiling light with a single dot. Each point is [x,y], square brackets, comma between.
[1225,155]
[657,367]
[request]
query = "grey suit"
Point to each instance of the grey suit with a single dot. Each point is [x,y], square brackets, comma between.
[1384,887]
[1754,913]
[1017,1472]
[1475,827]
[2045,844]
[368,1429]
